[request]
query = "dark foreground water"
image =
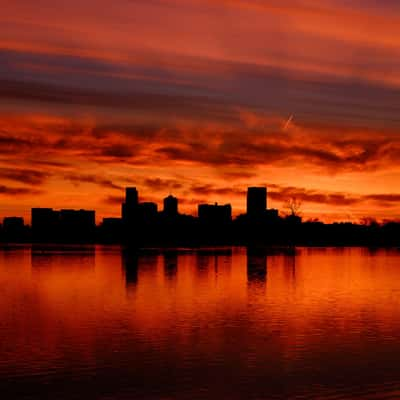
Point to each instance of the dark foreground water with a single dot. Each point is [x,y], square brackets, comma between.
[99,323]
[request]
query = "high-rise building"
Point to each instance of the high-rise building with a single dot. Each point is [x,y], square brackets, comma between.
[170,206]
[131,196]
[256,201]
[130,206]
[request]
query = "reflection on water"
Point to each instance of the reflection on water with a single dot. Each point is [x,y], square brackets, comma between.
[256,265]
[130,264]
[170,265]
[106,323]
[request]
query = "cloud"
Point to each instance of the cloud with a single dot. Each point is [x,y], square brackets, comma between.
[312,196]
[113,200]
[239,149]
[27,176]
[282,193]
[208,189]
[162,184]
[97,180]
[17,191]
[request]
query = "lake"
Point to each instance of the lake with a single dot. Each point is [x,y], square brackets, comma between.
[99,322]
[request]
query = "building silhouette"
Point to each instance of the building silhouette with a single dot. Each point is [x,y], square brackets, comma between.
[215,214]
[14,229]
[44,223]
[81,223]
[131,196]
[256,201]
[130,206]
[147,211]
[142,225]
[170,206]
[63,225]
[111,230]
[13,223]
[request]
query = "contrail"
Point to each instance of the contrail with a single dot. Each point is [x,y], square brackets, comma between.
[287,123]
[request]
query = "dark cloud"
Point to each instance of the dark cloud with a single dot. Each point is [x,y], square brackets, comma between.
[113,200]
[97,180]
[388,198]
[195,107]
[12,144]
[312,196]
[283,194]
[18,191]
[27,176]
[118,151]
[225,149]
[268,152]
[162,184]
[205,190]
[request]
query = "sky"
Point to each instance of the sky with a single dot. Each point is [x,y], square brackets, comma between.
[201,99]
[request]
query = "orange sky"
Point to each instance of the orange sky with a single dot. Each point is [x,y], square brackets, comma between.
[193,97]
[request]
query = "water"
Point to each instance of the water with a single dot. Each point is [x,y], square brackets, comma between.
[99,323]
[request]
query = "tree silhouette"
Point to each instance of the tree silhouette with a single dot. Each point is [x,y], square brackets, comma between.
[293,205]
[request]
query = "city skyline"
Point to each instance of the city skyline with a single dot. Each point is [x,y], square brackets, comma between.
[256,199]
[256,205]
[201,99]
[142,224]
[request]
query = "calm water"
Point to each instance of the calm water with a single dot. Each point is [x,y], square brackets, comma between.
[98,323]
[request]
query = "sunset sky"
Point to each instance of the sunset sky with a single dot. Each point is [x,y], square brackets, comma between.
[201,99]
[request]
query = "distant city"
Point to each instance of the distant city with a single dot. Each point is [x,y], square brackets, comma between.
[142,224]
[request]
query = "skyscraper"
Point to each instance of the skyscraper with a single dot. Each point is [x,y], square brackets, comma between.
[130,206]
[256,201]
[131,196]
[170,206]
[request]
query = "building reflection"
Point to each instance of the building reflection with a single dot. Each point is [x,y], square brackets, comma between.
[207,259]
[60,256]
[130,267]
[137,264]
[256,266]
[170,265]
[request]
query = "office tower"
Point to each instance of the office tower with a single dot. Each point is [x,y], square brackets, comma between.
[130,206]
[256,201]
[131,196]
[170,206]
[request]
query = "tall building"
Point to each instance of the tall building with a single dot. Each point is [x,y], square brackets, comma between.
[256,201]
[130,206]
[170,206]
[131,196]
